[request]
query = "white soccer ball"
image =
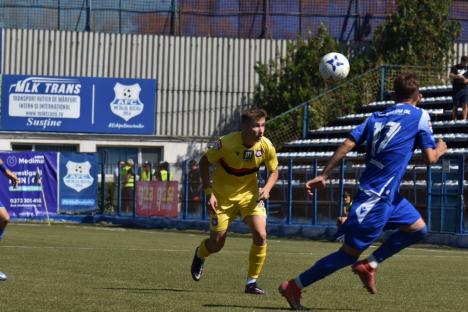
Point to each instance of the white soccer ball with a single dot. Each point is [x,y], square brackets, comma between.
[334,66]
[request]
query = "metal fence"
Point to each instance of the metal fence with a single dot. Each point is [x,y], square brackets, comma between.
[368,87]
[276,19]
[440,200]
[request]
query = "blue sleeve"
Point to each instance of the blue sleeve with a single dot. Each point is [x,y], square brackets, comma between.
[425,138]
[359,134]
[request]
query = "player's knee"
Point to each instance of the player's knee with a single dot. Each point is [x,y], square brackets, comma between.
[217,244]
[260,238]
[419,234]
[4,218]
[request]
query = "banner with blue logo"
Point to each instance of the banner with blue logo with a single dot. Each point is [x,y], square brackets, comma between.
[36,194]
[78,104]
[78,182]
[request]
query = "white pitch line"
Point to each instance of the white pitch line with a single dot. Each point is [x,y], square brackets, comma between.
[451,255]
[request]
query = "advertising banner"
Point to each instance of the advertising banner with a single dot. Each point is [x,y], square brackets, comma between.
[37,191]
[78,104]
[78,182]
[157,199]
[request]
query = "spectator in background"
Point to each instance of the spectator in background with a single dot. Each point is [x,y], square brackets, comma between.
[128,185]
[458,76]
[195,187]
[155,172]
[164,172]
[347,202]
[146,174]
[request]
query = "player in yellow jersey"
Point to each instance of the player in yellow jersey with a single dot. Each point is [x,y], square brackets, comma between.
[234,192]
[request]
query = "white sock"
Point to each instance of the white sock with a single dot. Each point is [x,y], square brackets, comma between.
[297,280]
[250,280]
[372,262]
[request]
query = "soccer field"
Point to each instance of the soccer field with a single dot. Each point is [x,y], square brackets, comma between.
[97,268]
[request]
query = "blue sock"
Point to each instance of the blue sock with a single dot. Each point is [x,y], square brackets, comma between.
[326,266]
[2,231]
[396,242]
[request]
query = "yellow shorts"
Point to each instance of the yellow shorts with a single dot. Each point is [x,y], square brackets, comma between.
[228,211]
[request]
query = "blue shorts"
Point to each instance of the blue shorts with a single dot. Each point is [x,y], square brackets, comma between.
[369,216]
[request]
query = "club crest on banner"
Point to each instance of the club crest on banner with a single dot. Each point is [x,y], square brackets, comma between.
[126,103]
[78,176]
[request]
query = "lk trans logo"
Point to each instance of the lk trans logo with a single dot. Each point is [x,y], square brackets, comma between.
[126,103]
[78,176]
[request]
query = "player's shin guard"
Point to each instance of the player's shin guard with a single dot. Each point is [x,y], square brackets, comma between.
[324,267]
[257,258]
[202,250]
[398,241]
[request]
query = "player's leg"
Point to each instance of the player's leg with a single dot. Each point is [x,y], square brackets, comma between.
[258,250]
[411,229]
[361,228]
[218,231]
[4,219]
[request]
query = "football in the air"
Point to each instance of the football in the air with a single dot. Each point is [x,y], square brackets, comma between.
[334,66]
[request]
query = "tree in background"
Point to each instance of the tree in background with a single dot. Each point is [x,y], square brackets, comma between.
[418,33]
[295,79]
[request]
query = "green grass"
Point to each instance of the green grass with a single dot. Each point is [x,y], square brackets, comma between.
[97,268]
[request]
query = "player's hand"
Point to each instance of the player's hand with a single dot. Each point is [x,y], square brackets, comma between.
[317,182]
[212,204]
[263,194]
[441,146]
[14,179]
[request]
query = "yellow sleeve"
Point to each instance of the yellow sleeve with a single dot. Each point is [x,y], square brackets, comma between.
[215,152]
[271,161]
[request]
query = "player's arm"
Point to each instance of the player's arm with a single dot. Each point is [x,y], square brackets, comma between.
[204,165]
[340,153]
[271,181]
[432,155]
[10,175]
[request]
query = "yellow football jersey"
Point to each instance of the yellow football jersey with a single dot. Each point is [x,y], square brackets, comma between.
[237,166]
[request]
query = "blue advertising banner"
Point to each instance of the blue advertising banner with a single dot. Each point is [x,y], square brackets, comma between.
[78,182]
[37,191]
[78,104]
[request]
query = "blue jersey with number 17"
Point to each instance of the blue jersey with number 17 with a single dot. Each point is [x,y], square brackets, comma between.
[392,136]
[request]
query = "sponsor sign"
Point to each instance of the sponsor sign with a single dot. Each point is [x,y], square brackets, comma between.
[157,199]
[78,104]
[37,190]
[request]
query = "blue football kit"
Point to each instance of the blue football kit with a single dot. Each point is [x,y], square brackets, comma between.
[391,137]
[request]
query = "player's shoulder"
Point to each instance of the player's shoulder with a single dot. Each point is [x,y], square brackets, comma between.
[226,141]
[266,142]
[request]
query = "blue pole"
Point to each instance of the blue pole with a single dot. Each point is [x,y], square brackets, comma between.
[305,121]
[461,186]
[267,202]
[341,186]
[119,189]
[429,197]
[383,78]
[290,188]
[103,184]
[134,192]
[186,189]
[314,199]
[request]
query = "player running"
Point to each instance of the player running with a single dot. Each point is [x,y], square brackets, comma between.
[234,191]
[392,136]
[4,216]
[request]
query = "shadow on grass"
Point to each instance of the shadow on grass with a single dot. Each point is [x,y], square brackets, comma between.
[271,308]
